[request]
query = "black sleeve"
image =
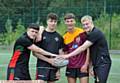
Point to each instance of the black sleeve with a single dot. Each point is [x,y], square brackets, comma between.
[26,42]
[93,36]
[62,43]
[38,43]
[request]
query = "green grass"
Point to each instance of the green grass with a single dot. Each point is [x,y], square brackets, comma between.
[5,56]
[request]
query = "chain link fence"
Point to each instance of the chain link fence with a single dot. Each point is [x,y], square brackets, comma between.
[105,17]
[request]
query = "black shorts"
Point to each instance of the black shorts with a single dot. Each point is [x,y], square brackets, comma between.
[75,72]
[46,73]
[18,74]
[101,73]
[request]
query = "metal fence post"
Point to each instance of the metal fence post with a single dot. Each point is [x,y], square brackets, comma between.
[110,27]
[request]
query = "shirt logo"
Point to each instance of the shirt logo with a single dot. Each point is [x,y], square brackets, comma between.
[74,46]
[77,39]
[56,39]
[44,37]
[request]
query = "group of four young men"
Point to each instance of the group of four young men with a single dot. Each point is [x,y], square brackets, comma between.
[51,44]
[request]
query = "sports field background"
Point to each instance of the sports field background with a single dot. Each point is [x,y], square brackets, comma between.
[5,56]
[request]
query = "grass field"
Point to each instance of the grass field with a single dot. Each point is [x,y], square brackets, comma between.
[5,56]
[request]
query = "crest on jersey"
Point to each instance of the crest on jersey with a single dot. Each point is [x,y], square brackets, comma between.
[44,37]
[56,39]
[77,39]
[74,46]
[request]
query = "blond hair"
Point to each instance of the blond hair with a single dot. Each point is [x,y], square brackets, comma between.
[86,17]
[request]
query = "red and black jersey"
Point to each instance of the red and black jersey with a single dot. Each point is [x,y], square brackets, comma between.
[21,53]
[73,41]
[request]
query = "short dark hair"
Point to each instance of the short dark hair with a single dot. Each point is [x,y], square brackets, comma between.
[52,16]
[69,16]
[34,26]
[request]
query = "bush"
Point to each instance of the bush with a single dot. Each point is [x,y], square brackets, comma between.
[113,37]
[11,36]
[103,23]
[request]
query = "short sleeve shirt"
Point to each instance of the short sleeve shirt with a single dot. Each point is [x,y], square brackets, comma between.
[99,50]
[21,53]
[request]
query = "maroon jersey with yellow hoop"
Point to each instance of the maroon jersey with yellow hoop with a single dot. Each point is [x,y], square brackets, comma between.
[73,41]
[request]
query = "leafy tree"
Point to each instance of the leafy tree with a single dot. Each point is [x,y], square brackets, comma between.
[8,25]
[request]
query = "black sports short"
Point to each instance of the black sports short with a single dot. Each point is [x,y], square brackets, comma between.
[75,72]
[18,74]
[46,73]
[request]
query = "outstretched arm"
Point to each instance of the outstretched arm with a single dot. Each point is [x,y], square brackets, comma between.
[35,48]
[42,57]
[83,47]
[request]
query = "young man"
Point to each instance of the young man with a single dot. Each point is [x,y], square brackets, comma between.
[18,68]
[51,42]
[98,50]
[73,38]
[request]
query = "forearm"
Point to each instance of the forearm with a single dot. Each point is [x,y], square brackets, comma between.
[83,47]
[40,56]
[39,37]
[45,52]
[75,52]
[87,57]
[41,51]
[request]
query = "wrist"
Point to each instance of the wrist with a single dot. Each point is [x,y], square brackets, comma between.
[86,64]
[68,55]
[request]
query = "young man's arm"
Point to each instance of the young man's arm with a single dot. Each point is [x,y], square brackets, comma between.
[84,68]
[42,57]
[87,57]
[58,72]
[35,48]
[83,47]
[39,37]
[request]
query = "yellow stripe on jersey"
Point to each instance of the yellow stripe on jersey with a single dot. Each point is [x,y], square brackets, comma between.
[69,37]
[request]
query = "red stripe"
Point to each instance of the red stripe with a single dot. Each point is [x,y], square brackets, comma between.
[14,58]
[11,76]
[36,74]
